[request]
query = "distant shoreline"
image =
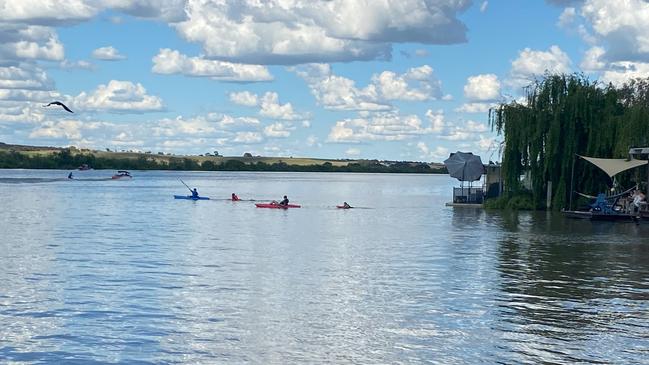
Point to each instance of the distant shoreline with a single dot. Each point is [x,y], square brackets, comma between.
[70,158]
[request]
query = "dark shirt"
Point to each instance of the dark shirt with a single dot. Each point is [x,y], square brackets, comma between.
[194,194]
[284,202]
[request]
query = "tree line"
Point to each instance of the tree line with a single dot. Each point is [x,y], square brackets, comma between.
[66,160]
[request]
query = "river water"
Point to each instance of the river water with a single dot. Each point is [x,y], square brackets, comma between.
[96,271]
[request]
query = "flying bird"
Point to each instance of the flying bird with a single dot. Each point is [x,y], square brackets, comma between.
[61,104]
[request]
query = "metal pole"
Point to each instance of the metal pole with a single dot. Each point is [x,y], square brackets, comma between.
[572,181]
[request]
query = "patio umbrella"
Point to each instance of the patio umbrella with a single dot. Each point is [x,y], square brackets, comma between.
[464,166]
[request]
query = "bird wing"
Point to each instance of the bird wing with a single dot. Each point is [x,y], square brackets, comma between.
[66,108]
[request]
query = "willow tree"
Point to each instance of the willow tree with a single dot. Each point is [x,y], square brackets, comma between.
[562,115]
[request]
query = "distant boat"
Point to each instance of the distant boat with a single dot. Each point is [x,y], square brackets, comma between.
[84,167]
[122,174]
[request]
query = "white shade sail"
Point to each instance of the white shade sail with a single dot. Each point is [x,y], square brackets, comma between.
[613,166]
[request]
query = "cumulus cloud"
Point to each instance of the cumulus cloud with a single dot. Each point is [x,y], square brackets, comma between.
[417,84]
[340,93]
[245,98]
[24,76]
[623,71]
[169,61]
[46,12]
[69,129]
[622,25]
[567,17]
[108,53]
[280,32]
[278,130]
[271,108]
[385,126]
[437,153]
[531,64]
[593,59]
[248,137]
[481,91]
[482,87]
[119,97]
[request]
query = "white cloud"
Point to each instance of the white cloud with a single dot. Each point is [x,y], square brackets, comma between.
[483,7]
[24,76]
[278,130]
[245,98]
[475,107]
[119,96]
[425,152]
[531,64]
[340,93]
[56,12]
[271,108]
[46,11]
[593,59]
[353,152]
[567,17]
[248,137]
[386,126]
[169,61]
[622,25]
[623,71]
[312,141]
[436,119]
[181,126]
[108,53]
[278,31]
[80,64]
[29,42]
[306,124]
[417,84]
[469,131]
[483,87]
[69,129]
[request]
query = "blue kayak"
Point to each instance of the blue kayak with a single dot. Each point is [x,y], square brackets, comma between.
[189,197]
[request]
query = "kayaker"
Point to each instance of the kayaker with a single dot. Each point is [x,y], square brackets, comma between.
[235,197]
[194,193]
[70,176]
[284,202]
[346,206]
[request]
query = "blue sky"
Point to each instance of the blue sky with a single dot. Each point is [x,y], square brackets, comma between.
[389,79]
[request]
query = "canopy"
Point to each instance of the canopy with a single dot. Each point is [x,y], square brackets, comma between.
[613,166]
[464,166]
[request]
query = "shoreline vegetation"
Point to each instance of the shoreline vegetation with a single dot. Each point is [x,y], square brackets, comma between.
[563,116]
[70,158]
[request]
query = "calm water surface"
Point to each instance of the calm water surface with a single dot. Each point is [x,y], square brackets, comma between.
[100,272]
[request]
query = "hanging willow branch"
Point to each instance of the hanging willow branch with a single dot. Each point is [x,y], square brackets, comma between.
[564,115]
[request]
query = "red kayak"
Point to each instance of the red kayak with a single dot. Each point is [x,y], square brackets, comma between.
[276,206]
[343,207]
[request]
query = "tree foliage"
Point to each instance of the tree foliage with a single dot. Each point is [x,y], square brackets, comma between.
[565,115]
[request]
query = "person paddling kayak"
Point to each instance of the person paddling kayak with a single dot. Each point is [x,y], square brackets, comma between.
[70,176]
[284,202]
[235,197]
[346,206]
[195,193]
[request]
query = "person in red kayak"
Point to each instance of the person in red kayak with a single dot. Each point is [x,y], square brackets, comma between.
[284,202]
[346,206]
[235,197]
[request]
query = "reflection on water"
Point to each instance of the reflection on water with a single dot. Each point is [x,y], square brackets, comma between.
[119,271]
